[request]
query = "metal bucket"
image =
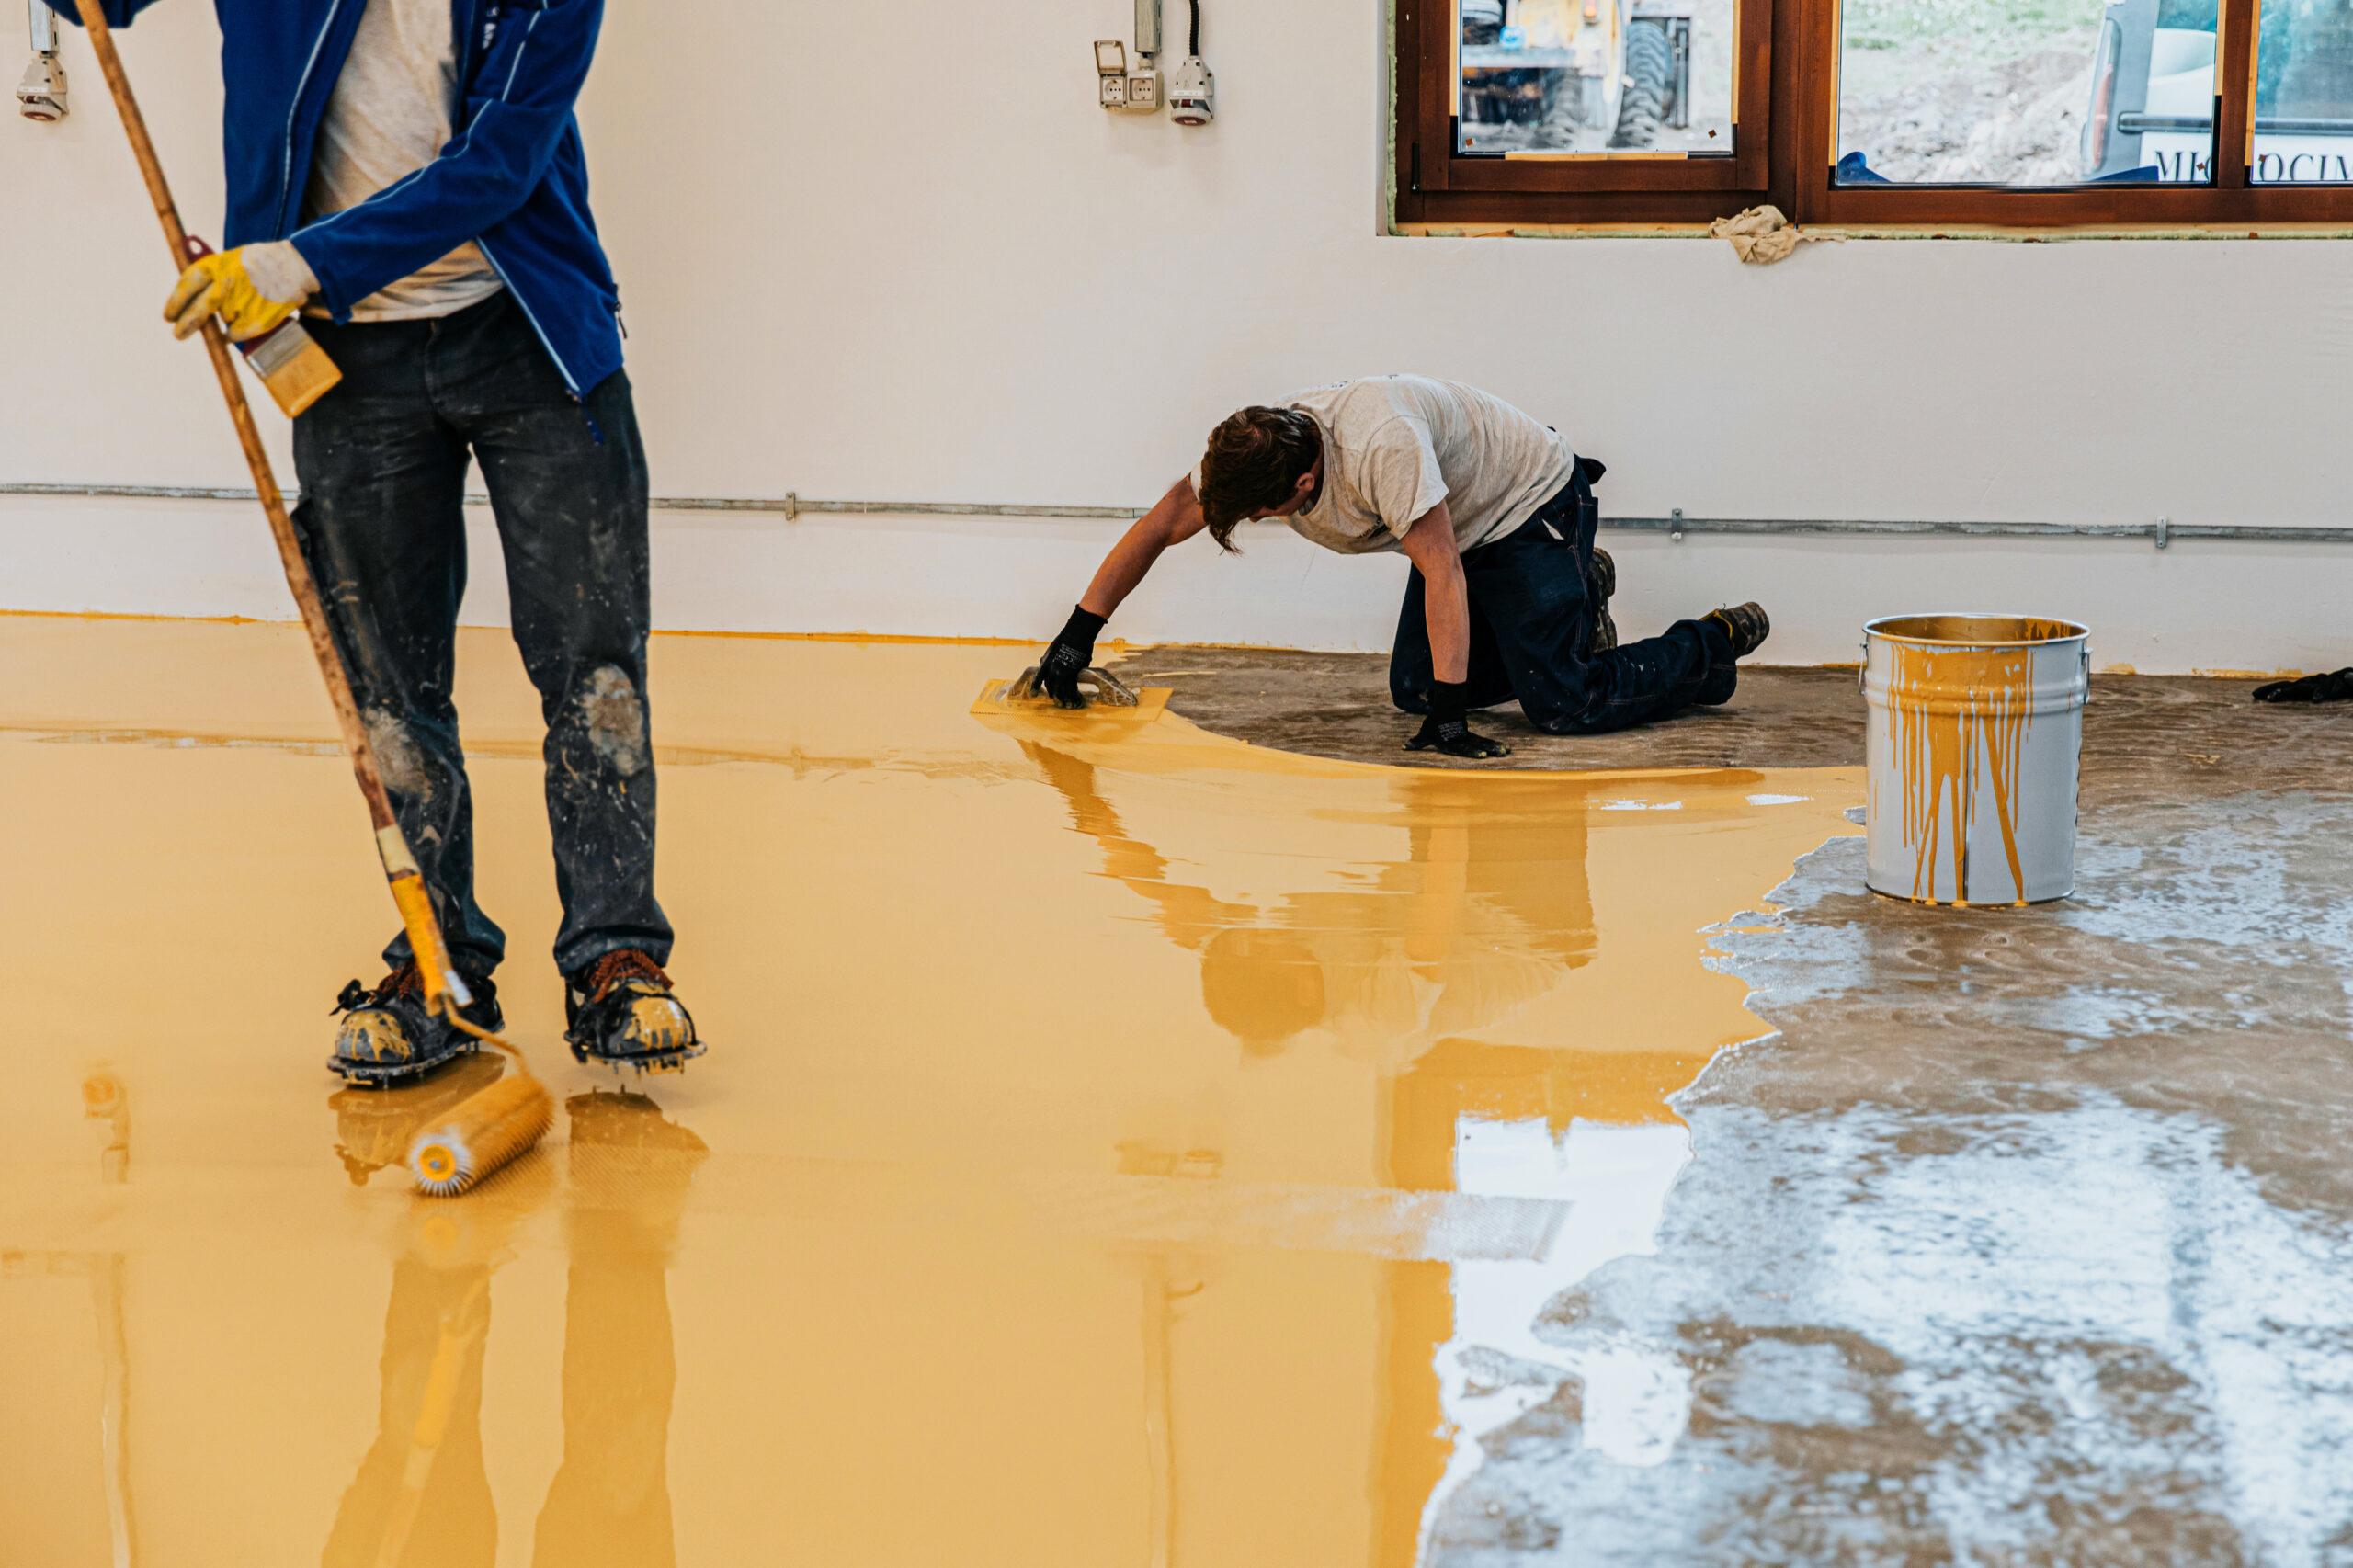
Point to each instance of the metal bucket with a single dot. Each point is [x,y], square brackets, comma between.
[1975,729]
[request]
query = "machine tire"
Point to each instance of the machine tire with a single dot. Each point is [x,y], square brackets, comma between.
[1649,72]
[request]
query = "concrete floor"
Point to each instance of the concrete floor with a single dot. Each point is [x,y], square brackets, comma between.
[2028,1236]
[1337,705]
[2145,737]
[1119,1145]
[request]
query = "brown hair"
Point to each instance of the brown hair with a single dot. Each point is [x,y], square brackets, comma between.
[1253,463]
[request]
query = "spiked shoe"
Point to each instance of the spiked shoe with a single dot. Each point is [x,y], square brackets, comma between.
[387,1037]
[619,1010]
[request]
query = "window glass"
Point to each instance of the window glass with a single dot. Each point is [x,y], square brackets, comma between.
[1595,76]
[2304,93]
[2025,92]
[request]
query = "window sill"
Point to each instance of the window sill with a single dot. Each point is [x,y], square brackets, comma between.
[2038,234]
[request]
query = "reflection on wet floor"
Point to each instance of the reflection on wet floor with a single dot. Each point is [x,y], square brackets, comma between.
[421,1495]
[1401,967]
[1123,1145]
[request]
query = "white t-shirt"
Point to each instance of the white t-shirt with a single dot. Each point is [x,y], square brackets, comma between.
[390,114]
[1396,446]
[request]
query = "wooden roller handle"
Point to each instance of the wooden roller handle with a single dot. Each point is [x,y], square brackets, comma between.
[417,915]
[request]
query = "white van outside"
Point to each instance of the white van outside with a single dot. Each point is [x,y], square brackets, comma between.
[2152,112]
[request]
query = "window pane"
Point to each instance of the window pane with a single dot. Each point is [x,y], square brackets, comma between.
[2025,92]
[2304,93]
[1595,76]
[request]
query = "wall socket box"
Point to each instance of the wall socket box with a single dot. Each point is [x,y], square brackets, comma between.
[1117,85]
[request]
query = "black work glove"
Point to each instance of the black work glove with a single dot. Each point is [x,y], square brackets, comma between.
[2336,687]
[1445,730]
[1066,660]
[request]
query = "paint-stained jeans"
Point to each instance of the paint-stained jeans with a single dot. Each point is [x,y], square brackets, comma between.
[1531,627]
[383,462]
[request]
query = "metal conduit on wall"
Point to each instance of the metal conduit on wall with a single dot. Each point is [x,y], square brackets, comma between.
[2161,532]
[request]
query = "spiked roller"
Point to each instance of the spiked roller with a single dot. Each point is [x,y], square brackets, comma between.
[483,1131]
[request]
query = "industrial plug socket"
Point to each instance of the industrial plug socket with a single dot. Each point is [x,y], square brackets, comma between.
[40,95]
[1192,94]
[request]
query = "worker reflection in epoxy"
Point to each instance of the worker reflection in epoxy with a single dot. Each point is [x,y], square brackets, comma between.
[409,174]
[422,1494]
[1481,917]
[1508,598]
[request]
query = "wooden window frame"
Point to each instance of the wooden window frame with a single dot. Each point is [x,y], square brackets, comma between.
[1786,95]
[1435,183]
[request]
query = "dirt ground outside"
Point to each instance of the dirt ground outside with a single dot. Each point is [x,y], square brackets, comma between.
[1967,91]
[1930,91]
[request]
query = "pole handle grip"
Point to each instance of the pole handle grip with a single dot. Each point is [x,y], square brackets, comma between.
[442,986]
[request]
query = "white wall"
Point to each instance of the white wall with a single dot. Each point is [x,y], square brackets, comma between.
[897,252]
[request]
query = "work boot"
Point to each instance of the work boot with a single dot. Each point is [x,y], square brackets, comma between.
[1600,581]
[619,1009]
[388,1037]
[1746,625]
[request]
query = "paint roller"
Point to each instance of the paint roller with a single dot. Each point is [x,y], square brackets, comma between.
[491,1127]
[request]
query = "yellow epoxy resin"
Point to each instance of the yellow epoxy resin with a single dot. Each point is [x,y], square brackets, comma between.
[1119,1145]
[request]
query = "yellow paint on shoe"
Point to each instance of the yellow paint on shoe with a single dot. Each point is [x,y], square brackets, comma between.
[372,1034]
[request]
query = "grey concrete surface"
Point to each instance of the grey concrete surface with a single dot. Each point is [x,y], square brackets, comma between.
[1337,705]
[2144,736]
[2026,1236]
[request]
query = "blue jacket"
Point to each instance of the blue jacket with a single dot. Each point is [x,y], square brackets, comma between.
[514,179]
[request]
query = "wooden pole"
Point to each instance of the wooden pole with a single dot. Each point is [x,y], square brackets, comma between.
[400,865]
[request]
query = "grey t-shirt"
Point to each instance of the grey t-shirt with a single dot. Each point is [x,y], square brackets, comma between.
[1396,446]
[390,114]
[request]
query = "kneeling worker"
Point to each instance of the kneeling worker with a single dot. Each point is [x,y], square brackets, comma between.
[1508,598]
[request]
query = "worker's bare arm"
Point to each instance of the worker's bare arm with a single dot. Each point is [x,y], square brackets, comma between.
[1429,545]
[1446,601]
[1173,520]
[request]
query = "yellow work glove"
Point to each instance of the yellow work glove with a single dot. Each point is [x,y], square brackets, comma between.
[251,288]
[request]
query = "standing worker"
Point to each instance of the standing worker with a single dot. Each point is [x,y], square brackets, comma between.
[1508,598]
[409,175]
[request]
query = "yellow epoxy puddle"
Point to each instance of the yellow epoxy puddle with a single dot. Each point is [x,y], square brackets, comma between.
[1115,1143]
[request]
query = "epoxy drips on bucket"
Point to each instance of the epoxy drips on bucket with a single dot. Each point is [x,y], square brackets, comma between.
[1975,732]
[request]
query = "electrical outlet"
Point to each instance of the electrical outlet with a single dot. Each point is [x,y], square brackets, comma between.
[1143,91]
[1115,91]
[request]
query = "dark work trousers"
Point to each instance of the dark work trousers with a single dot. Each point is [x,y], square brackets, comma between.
[383,462]
[1531,633]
